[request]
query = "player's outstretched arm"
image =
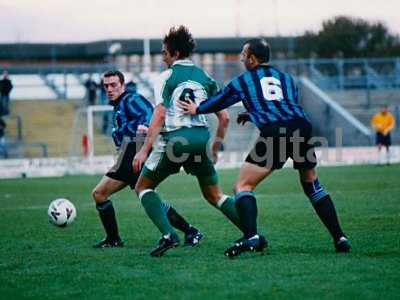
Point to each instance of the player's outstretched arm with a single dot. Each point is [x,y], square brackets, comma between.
[223,122]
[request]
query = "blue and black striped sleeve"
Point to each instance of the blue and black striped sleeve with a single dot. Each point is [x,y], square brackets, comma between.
[146,109]
[140,111]
[225,98]
[123,118]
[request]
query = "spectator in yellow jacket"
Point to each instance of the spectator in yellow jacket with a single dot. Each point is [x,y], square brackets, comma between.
[383,123]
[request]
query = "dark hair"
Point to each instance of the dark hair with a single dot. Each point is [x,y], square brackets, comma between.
[260,49]
[115,73]
[179,39]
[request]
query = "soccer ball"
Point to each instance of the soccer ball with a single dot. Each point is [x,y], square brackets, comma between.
[61,212]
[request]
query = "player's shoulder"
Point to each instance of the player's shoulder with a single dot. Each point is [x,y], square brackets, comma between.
[185,65]
[165,75]
[275,70]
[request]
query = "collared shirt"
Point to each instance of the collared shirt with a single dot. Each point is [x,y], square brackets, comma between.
[268,94]
[183,81]
[383,123]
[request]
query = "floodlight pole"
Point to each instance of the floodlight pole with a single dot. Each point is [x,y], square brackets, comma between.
[146,56]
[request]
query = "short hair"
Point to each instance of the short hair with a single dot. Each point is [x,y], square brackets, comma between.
[179,39]
[115,73]
[260,49]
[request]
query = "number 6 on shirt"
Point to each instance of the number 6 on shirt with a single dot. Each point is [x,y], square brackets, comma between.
[271,88]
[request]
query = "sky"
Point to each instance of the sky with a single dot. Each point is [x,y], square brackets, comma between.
[87,20]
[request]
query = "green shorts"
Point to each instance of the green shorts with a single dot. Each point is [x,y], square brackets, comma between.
[187,148]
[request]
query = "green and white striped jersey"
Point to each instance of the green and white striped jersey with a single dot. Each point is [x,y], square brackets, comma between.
[187,82]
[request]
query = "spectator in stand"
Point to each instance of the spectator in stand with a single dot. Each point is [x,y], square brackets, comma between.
[383,123]
[5,90]
[91,90]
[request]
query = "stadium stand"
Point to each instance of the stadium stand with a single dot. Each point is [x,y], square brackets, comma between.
[30,87]
[337,93]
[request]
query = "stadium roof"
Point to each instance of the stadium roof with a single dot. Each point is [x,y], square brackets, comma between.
[100,49]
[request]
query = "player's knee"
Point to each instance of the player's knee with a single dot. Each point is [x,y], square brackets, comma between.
[98,195]
[141,185]
[138,188]
[242,186]
[212,197]
[308,175]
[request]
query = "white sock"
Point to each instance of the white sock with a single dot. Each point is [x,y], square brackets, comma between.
[388,156]
[381,157]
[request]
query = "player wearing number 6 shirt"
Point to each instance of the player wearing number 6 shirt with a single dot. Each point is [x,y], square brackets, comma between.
[271,100]
[183,141]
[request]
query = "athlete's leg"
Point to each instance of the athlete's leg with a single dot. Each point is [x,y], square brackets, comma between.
[323,206]
[157,212]
[101,193]
[153,205]
[105,188]
[250,176]
[213,194]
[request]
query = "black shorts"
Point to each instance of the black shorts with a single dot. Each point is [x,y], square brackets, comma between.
[277,142]
[122,170]
[384,140]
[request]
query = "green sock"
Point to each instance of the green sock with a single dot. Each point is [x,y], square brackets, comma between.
[151,202]
[228,208]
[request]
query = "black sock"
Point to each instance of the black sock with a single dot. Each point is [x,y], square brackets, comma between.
[107,217]
[327,213]
[246,206]
[178,221]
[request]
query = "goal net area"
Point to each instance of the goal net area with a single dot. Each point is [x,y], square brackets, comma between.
[91,139]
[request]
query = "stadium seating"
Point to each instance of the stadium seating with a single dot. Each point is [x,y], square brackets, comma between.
[30,87]
[363,104]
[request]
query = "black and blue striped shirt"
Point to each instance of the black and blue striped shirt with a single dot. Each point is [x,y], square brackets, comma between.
[131,110]
[268,94]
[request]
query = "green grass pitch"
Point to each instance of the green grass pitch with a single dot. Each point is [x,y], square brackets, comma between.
[41,261]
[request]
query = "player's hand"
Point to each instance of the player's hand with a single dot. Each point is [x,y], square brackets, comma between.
[242,118]
[188,107]
[138,160]
[142,129]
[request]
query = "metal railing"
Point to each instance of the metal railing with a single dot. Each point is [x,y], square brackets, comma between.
[374,73]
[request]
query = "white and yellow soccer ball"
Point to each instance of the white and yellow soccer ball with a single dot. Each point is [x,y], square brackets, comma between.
[61,212]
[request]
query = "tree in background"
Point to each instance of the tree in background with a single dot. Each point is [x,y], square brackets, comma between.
[349,37]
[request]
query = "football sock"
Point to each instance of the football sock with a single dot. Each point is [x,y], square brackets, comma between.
[246,206]
[227,206]
[107,217]
[153,207]
[327,213]
[177,220]
[324,207]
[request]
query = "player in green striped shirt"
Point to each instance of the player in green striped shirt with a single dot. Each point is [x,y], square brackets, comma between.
[180,140]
